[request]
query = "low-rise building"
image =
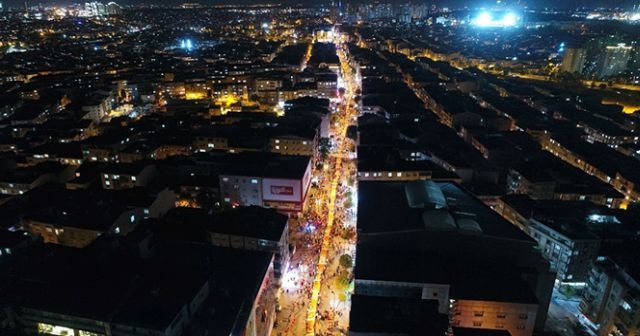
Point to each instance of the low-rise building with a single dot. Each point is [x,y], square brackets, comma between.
[434,241]
[246,228]
[569,233]
[127,175]
[273,181]
[165,293]
[24,179]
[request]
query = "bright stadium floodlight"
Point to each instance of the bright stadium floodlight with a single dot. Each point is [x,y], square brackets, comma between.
[510,20]
[484,19]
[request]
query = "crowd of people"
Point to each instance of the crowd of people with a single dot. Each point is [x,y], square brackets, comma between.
[307,237]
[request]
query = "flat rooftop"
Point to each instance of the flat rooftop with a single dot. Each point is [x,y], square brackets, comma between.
[397,316]
[385,207]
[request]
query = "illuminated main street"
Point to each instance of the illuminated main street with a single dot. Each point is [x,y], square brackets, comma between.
[315,292]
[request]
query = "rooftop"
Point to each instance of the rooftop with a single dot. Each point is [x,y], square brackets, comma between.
[428,206]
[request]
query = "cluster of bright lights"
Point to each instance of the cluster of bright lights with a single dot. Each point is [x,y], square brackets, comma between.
[486,19]
[186,44]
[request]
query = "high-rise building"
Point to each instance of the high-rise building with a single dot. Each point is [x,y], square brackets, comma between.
[574,60]
[614,60]
[95,8]
[113,9]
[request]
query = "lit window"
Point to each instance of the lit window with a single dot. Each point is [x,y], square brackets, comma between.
[107,183]
[132,218]
[366,174]
[225,179]
[106,176]
[44,328]
[389,174]
[277,147]
[117,230]
[211,145]
[133,178]
[227,199]
[399,174]
[254,181]
[304,142]
[277,141]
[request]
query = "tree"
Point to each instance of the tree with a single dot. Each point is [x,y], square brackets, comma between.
[342,281]
[324,147]
[342,297]
[348,203]
[346,261]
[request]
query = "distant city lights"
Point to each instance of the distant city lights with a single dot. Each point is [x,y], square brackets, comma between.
[487,19]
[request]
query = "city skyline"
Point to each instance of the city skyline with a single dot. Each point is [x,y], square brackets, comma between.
[383,168]
[453,3]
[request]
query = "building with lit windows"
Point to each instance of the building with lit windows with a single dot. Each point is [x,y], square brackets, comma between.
[574,60]
[78,217]
[611,298]
[292,144]
[161,292]
[21,181]
[569,233]
[273,181]
[614,60]
[127,175]
[434,241]
[327,84]
[113,9]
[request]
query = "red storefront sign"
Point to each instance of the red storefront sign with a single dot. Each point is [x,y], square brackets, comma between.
[281,190]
